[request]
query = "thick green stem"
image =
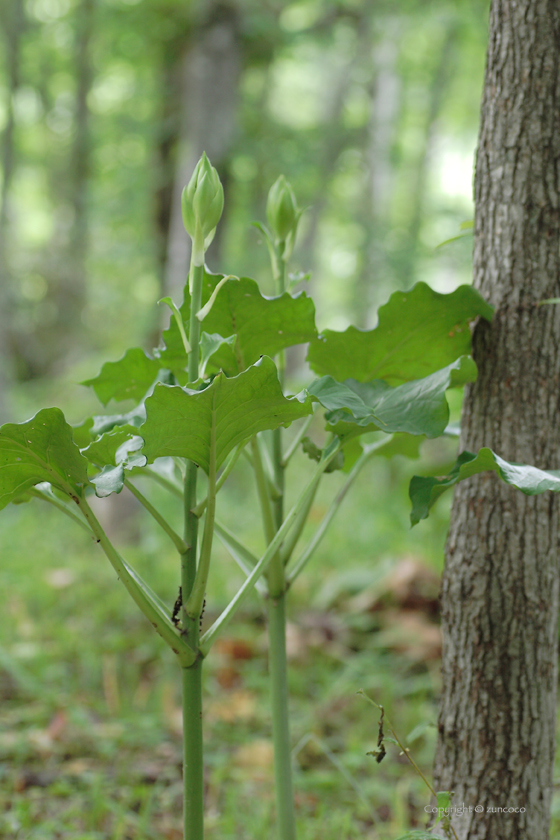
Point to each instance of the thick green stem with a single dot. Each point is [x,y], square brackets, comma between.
[188,559]
[149,604]
[277,666]
[193,755]
[193,786]
[195,604]
[232,460]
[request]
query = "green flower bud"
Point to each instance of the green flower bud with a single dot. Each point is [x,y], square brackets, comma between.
[202,201]
[281,210]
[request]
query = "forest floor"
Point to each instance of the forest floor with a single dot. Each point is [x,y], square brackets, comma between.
[90,719]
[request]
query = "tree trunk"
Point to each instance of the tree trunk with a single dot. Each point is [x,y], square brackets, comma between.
[13,20]
[500,586]
[210,73]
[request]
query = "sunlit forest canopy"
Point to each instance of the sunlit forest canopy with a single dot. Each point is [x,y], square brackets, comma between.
[369,108]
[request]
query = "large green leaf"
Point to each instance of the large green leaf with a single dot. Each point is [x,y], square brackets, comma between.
[425,490]
[419,332]
[181,422]
[128,378]
[263,325]
[417,408]
[40,450]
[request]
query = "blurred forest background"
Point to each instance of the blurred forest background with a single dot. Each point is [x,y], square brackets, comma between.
[370,108]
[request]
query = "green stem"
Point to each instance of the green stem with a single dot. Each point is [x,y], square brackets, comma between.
[262,491]
[47,497]
[176,489]
[297,440]
[193,751]
[139,591]
[315,541]
[179,543]
[193,755]
[275,572]
[277,666]
[289,545]
[201,507]
[189,558]
[195,603]
[244,558]
[222,622]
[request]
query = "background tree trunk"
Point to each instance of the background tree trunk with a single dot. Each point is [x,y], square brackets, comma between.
[211,65]
[500,587]
[13,22]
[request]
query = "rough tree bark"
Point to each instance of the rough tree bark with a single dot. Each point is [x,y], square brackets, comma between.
[500,586]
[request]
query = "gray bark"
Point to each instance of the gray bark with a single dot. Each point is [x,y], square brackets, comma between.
[500,586]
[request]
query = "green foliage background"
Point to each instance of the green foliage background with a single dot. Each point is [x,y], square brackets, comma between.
[371,112]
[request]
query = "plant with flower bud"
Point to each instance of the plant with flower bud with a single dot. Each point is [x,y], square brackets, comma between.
[215,388]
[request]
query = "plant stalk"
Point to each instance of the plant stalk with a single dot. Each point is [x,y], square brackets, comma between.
[179,543]
[277,666]
[222,622]
[193,780]
[193,785]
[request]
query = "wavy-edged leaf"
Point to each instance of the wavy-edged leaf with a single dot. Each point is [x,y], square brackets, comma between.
[419,332]
[105,422]
[42,449]
[114,452]
[417,408]
[181,422]
[425,490]
[263,325]
[128,378]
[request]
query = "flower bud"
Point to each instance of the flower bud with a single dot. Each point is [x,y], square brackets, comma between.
[202,201]
[281,209]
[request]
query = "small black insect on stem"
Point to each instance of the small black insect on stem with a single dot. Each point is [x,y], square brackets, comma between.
[177,606]
[201,614]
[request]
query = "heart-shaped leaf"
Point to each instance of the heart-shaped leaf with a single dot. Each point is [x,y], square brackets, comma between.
[263,325]
[425,490]
[419,332]
[418,407]
[40,450]
[182,422]
[127,379]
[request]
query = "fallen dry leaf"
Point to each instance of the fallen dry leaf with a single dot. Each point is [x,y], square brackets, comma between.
[235,705]
[258,754]
[411,633]
[236,649]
